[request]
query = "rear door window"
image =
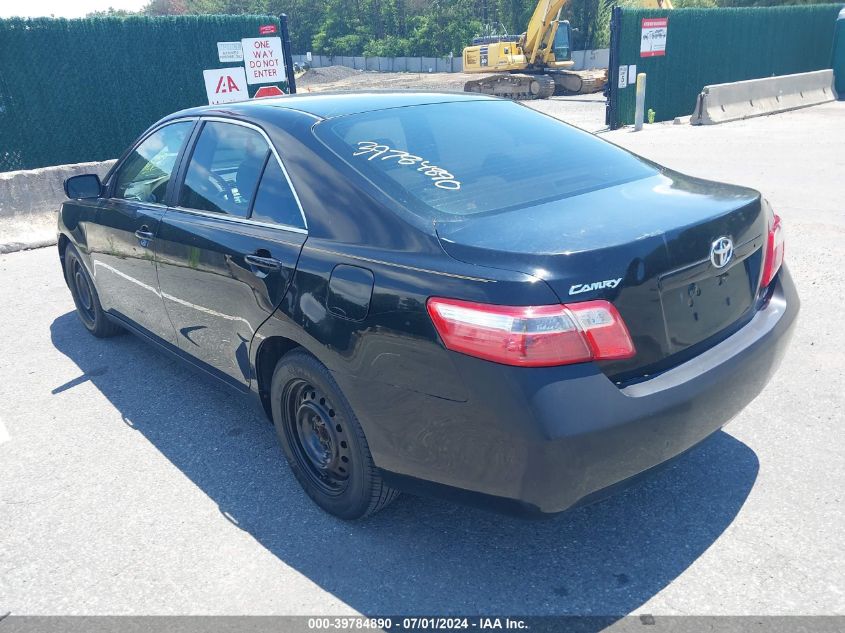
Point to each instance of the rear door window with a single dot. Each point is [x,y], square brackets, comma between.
[224,170]
[275,201]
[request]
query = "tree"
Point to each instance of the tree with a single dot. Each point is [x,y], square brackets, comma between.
[166,7]
[446,27]
[419,27]
[590,21]
[111,12]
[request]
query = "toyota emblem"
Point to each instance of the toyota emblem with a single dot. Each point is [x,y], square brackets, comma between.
[721,252]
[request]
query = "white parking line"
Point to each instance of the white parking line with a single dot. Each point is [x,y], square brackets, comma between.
[4,434]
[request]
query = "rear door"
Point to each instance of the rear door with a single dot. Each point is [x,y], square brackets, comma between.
[122,241]
[228,247]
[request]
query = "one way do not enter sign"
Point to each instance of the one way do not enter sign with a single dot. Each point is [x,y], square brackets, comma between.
[224,85]
[263,60]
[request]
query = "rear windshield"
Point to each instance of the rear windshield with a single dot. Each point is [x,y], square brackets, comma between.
[463,158]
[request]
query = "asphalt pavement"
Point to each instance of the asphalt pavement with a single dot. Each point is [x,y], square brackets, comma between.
[129,484]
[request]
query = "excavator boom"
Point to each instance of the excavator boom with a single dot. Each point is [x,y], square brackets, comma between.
[540,34]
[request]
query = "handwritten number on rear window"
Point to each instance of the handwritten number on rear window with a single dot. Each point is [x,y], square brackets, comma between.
[441,178]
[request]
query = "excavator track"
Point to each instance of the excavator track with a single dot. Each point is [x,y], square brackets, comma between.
[579,82]
[520,86]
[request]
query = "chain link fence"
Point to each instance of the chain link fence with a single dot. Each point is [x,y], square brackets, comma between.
[82,90]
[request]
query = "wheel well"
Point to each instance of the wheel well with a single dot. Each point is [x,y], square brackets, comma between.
[271,350]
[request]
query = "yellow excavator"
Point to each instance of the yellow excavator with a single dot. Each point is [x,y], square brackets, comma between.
[537,63]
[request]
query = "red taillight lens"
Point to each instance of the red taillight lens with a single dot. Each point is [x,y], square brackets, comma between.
[774,251]
[532,336]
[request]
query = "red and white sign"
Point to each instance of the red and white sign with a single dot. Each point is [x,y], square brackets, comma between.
[266,29]
[268,91]
[263,60]
[653,37]
[224,85]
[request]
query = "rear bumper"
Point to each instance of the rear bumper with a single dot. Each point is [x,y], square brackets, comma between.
[545,440]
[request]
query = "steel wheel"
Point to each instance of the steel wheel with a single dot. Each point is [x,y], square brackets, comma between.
[84,292]
[317,437]
[85,296]
[323,441]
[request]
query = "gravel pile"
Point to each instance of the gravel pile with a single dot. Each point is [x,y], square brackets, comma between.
[328,74]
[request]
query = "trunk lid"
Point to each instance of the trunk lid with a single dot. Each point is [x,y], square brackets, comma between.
[646,247]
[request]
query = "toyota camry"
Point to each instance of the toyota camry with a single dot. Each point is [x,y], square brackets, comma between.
[447,294]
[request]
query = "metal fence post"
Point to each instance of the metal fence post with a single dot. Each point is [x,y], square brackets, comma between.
[838,60]
[611,93]
[283,20]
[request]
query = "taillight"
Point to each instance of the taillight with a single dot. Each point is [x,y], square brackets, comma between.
[532,336]
[774,251]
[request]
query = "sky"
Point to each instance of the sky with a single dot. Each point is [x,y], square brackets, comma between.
[63,8]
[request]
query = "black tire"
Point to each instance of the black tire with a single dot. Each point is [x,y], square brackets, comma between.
[323,441]
[85,297]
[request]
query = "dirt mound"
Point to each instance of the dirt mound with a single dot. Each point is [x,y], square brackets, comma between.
[328,74]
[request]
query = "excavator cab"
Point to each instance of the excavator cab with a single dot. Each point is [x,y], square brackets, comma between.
[534,67]
[563,38]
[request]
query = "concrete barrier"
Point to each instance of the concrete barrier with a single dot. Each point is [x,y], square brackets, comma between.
[30,200]
[584,60]
[743,99]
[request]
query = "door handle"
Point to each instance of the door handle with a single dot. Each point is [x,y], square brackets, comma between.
[263,262]
[144,234]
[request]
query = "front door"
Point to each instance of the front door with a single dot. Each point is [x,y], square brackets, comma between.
[123,240]
[227,251]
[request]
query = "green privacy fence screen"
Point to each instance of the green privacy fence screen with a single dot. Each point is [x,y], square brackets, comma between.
[82,90]
[711,46]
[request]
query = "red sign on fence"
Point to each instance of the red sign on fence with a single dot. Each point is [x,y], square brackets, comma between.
[266,29]
[653,37]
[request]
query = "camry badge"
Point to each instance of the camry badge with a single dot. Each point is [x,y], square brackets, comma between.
[596,285]
[721,252]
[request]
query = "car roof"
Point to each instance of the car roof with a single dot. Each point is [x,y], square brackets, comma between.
[326,105]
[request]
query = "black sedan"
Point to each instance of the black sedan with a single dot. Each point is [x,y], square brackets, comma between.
[447,294]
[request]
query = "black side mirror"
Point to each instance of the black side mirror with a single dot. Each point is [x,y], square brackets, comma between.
[83,186]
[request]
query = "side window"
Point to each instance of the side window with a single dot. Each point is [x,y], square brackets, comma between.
[224,169]
[275,201]
[144,174]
